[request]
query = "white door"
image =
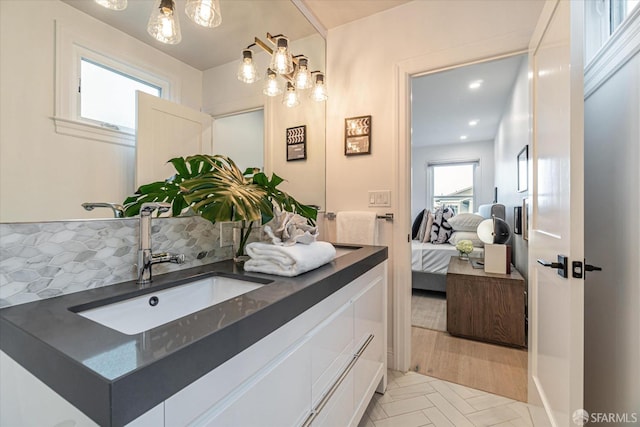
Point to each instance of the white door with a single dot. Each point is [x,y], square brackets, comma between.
[166,130]
[556,303]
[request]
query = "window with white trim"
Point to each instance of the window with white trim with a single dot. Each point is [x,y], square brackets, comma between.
[452,184]
[96,85]
[108,96]
[602,18]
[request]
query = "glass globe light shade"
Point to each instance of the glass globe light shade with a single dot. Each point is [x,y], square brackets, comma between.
[205,13]
[281,60]
[247,71]
[163,23]
[113,4]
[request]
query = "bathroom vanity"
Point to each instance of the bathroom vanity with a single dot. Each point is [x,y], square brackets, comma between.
[308,350]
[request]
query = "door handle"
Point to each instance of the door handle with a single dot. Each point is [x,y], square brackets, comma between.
[562,265]
[589,267]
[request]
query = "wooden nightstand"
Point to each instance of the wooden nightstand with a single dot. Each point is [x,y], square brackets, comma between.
[485,306]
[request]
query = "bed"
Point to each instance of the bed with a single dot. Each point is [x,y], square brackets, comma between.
[429,262]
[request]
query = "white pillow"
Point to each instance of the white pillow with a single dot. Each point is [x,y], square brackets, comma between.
[466,235]
[465,222]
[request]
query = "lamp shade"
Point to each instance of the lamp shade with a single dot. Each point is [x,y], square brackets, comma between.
[163,23]
[113,4]
[494,231]
[205,13]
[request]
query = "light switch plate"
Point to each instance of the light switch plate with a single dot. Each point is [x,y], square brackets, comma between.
[380,198]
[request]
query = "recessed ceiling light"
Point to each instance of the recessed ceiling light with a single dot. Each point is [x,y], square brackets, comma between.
[475,84]
[473,122]
[463,137]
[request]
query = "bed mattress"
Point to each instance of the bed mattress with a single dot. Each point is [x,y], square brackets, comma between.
[432,258]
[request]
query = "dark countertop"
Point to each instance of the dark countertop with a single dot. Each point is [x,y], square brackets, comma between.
[114,378]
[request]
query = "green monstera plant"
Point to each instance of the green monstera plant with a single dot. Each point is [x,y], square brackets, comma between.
[217,190]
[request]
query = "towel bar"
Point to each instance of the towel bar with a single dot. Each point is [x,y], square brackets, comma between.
[386,217]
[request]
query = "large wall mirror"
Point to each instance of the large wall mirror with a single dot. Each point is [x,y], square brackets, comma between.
[50,163]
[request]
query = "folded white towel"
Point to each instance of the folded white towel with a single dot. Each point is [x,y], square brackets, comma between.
[357,227]
[288,260]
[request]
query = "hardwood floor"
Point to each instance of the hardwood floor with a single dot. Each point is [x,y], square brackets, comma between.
[493,368]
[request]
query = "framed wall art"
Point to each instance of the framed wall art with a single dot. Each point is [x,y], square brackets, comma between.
[297,143]
[357,135]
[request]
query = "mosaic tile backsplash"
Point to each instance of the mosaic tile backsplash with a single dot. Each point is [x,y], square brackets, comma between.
[44,260]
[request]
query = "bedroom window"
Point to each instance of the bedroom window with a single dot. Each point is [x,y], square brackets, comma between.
[452,184]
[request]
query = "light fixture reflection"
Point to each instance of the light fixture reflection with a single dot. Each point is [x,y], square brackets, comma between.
[163,23]
[271,86]
[282,61]
[113,4]
[302,76]
[204,12]
[475,84]
[247,71]
[473,122]
[290,98]
[319,92]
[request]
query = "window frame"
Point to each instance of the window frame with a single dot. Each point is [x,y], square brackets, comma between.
[70,49]
[431,177]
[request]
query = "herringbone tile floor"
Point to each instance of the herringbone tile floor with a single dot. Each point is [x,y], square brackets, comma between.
[415,400]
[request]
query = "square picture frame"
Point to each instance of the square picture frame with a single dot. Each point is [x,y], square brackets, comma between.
[523,169]
[297,143]
[357,135]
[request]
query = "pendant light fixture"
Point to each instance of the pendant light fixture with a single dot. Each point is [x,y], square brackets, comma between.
[113,4]
[204,12]
[271,84]
[247,71]
[297,75]
[281,60]
[302,76]
[319,91]
[290,98]
[163,23]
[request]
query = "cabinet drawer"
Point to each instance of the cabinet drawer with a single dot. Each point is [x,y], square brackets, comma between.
[274,399]
[339,410]
[331,350]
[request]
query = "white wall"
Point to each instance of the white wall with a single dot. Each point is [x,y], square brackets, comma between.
[513,135]
[421,156]
[612,233]
[45,175]
[241,137]
[362,61]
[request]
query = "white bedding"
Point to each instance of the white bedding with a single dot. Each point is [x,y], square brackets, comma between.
[431,258]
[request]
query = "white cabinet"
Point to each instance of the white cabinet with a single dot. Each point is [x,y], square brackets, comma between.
[308,372]
[311,371]
[277,396]
[27,401]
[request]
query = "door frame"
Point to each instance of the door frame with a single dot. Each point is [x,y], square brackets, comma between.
[437,61]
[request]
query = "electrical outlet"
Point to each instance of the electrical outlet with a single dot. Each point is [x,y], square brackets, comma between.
[226,234]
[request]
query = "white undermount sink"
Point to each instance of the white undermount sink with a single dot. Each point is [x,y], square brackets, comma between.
[141,313]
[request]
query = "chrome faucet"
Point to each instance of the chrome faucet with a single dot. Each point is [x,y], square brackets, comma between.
[118,210]
[145,257]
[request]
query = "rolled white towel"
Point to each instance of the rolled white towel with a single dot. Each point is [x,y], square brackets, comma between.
[288,260]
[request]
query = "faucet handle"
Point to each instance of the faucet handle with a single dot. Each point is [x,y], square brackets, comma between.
[149,207]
